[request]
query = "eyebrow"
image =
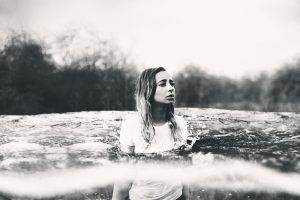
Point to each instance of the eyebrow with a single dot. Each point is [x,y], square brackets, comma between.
[165,80]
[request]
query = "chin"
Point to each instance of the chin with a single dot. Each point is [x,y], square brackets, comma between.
[171,102]
[165,102]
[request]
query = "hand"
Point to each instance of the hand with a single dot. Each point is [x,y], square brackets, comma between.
[187,146]
[190,141]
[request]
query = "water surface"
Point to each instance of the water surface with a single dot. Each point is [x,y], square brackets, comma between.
[237,155]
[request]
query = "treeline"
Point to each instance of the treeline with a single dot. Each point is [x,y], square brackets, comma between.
[32,83]
[277,92]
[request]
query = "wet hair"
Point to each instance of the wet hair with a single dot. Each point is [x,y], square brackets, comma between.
[144,96]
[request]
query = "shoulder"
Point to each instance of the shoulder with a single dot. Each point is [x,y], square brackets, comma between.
[182,125]
[129,131]
[131,124]
[133,120]
[180,119]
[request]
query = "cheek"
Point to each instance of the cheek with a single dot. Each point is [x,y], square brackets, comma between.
[158,93]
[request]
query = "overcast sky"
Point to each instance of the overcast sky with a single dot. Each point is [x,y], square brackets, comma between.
[224,37]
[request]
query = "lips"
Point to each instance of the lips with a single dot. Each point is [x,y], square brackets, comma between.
[170,96]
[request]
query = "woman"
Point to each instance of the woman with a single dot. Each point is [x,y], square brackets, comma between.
[154,129]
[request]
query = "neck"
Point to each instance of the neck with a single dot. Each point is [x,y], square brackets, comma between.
[158,112]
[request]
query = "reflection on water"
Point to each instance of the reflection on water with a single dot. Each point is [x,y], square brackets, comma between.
[207,171]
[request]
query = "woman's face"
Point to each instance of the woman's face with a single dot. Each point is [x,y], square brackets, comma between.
[165,91]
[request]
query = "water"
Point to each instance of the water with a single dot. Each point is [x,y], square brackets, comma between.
[237,155]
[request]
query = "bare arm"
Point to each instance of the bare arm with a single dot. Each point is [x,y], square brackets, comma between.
[185,192]
[121,190]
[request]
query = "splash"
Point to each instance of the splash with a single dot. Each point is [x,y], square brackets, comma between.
[205,172]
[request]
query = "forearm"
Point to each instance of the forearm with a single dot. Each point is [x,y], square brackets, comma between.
[185,192]
[121,191]
[120,195]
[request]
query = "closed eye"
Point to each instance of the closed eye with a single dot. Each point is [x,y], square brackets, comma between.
[162,83]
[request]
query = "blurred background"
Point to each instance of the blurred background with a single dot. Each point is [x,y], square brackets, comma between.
[65,56]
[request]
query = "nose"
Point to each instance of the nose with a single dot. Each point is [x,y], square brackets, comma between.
[171,88]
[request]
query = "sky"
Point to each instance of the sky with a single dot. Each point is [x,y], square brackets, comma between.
[234,38]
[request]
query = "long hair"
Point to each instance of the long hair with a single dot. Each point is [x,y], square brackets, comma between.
[144,96]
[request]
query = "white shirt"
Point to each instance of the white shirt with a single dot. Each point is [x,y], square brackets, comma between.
[131,136]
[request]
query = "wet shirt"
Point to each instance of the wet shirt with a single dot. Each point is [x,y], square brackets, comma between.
[131,136]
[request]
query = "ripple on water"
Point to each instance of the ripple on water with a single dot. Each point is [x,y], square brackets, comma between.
[90,146]
[87,154]
[57,140]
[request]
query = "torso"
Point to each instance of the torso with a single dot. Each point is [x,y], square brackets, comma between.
[162,141]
